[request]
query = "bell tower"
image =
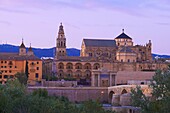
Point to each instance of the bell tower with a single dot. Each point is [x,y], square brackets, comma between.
[22,49]
[61,42]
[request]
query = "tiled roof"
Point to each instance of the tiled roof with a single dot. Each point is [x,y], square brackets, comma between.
[99,43]
[123,35]
[16,56]
[126,50]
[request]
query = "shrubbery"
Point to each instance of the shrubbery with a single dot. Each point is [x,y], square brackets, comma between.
[14,98]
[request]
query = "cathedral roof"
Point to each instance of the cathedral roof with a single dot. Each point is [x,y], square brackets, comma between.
[123,35]
[99,43]
[16,56]
[126,50]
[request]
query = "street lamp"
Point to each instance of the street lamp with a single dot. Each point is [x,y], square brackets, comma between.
[102,93]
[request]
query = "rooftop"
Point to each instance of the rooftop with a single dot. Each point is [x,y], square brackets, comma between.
[16,56]
[99,43]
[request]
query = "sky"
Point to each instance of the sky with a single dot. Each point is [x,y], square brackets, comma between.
[37,21]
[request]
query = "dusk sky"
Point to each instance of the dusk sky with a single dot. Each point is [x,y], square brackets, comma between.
[37,21]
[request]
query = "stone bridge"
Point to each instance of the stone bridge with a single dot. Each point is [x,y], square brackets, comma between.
[122,89]
[80,94]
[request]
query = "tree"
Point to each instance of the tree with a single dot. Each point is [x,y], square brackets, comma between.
[93,107]
[21,77]
[160,101]
[9,93]
[14,98]
[26,69]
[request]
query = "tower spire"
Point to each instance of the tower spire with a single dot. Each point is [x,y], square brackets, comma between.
[61,42]
[61,30]
[22,48]
[123,30]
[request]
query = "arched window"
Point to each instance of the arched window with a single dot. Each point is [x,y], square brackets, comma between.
[96,66]
[87,66]
[69,66]
[78,66]
[60,66]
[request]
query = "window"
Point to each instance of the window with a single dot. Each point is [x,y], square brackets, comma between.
[121,60]
[128,60]
[1,61]
[37,62]
[15,66]
[5,76]
[10,63]
[32,63]
[4,66]
[11,76]
[37,68]
[1,66]
[98,53]
[10,66]
[0,76]
[5,71]
[90,54]
[5,61]
[36,75]
[10,71]
[142,83]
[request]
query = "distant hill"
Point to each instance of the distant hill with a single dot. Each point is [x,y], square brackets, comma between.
[160,56]
[37,51]
[49,52]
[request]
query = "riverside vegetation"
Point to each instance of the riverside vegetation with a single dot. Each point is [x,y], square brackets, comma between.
[14,98]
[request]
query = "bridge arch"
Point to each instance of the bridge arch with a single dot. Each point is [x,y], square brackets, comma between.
[124,91]
[111,95]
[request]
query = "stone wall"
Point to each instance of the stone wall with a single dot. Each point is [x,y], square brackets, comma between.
[122,77]
[77,94]
[59,83]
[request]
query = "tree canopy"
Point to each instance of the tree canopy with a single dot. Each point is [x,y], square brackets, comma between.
[160,100]
[14,98]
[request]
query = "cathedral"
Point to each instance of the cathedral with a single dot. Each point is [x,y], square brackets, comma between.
[104,63]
